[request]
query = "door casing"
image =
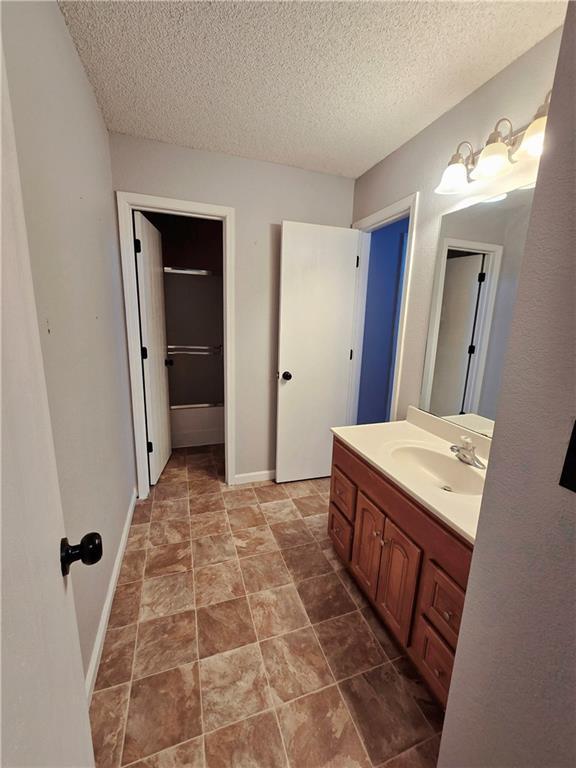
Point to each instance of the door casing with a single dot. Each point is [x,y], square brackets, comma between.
[492,265]
[127,202]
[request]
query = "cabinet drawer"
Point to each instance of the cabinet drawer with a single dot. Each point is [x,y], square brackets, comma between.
[340,531]
[435,658]
[442,602]
[343,493]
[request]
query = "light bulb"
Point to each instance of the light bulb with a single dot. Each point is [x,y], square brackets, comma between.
[454,180]
[493,161]
[532,143]
[455,177]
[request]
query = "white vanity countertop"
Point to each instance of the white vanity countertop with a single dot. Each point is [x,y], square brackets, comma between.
[383,445]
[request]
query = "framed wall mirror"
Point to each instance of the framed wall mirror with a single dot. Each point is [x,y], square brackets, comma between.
[479,259]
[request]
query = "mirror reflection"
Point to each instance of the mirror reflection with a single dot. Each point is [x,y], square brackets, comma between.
[479,259]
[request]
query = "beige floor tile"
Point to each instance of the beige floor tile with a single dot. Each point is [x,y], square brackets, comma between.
[224,626]
[318,731]
[245,517]
[170,558]
[107,719]
[349,645]
[169,532]
[213,549]
[165,643]
[166,595]
[305,562]
[324,597]
[164,710]
[280,511]
[264,571]
[387,717]
[187,755]
[219,582]
[270,493]
[171,509]
[294,533]
[295,665]
[239,497]
[132,566]
[254,541]
[117,656]
[208,524]
[276,611]
[126,605]
[311,505]
[233,686]
[252,743]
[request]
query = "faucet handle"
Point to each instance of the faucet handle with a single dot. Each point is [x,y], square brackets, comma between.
[467,442]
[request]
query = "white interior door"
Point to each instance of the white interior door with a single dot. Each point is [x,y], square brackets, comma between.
[455,333]
[44,706]
[153,330]
[317,290]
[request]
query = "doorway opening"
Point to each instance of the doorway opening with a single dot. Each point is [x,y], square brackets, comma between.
[460,327]
[177,265]
[382,298]
[381,318]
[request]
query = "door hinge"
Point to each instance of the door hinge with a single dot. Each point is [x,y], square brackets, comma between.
[357,261]
[144,353]
[351,354]
[137,245]
[471,349]
[481,277]
[150,447]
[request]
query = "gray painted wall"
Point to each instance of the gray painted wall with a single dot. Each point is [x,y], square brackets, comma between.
[513,698]
[263,194]
[64,162]
[516,92]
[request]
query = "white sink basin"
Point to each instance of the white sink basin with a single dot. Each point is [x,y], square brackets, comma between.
[441,470]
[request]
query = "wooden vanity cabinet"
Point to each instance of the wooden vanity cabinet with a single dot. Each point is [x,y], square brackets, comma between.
[411,567]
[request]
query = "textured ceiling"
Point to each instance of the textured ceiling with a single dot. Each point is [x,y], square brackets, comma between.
[327,86]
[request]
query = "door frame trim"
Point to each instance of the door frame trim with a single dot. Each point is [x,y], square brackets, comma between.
[127,202]
[493,253]
[407,206]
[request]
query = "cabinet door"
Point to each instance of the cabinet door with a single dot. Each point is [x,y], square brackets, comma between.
[340,531]
[367,550]
[397,581]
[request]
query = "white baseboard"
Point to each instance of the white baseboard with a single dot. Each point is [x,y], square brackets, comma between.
[105,615]
[253,477]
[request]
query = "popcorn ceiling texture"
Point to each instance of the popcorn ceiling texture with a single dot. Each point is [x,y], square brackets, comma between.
[331,87]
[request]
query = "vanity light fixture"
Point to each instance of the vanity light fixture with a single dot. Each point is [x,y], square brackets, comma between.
[494,159]
[532,142]
[455,176]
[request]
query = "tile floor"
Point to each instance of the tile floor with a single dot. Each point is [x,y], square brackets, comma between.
[236,640]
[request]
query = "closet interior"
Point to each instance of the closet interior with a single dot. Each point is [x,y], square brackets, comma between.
[192,257]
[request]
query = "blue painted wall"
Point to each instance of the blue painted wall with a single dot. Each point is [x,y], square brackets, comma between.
[385,273]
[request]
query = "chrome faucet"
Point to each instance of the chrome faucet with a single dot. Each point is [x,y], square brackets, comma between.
[466,452]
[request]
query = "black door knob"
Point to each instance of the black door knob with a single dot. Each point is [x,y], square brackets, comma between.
[286,375]
[89,551]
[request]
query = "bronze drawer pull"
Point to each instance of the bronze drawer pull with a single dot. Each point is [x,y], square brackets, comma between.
[447,615]
[439,673]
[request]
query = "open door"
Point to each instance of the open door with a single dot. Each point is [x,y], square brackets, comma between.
[317,291]
[153,334]
[44,705]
